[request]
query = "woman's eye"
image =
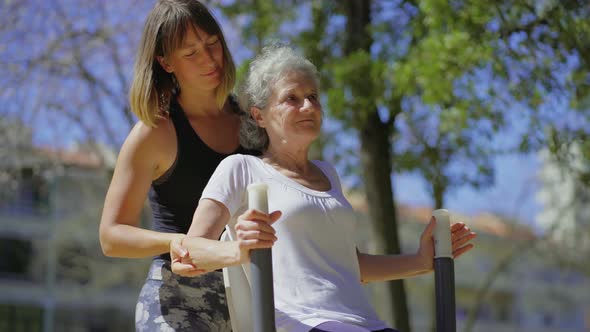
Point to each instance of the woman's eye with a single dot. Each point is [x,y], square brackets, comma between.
[213,42]
[313,97]
[190,54]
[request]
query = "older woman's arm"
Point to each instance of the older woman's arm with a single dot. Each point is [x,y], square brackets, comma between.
[392,267]
[201,249]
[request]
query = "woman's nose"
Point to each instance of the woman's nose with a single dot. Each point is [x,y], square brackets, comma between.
[308,105]
[208,58]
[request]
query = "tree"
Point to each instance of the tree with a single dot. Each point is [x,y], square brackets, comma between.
[543,54]
[375,136]
[75,69]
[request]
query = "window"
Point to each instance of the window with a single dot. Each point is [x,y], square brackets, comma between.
[28,196]
[16,257]
[15,317]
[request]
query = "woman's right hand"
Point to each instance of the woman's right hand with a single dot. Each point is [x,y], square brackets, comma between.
[181,263]
[254,231]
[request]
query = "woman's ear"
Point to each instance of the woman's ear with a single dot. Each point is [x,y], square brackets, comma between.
[164,64]
[256,114]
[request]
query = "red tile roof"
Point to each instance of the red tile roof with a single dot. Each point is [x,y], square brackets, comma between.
[73,157]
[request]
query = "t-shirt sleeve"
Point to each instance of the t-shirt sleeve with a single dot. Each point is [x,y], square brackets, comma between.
[228,183]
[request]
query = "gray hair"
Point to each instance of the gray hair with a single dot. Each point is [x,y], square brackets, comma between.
[264,71]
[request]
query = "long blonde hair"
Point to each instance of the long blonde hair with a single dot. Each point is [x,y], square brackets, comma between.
[152,87]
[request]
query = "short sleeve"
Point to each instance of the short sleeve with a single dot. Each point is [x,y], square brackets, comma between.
[228,183]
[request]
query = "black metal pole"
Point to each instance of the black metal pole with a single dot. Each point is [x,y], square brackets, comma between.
[444,273]
[263,307]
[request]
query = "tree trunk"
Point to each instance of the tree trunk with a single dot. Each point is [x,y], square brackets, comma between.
[376,161]
[376,164]
[438,192]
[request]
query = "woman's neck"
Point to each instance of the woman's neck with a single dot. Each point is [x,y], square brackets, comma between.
[287,159]
[296,166]
[199,104]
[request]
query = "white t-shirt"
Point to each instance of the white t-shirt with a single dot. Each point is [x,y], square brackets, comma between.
[315,265]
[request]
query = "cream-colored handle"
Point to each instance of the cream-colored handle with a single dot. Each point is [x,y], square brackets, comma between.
[442,234]
[258,197]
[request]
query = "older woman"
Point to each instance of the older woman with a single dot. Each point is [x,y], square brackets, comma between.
[317,268]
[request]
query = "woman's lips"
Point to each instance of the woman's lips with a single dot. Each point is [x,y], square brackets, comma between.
[211,73]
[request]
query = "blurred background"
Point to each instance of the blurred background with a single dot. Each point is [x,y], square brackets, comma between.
[481,107]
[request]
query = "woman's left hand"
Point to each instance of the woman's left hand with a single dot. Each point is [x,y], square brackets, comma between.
[181,262]
[460,237]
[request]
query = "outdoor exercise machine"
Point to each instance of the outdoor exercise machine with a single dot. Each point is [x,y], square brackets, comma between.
[263,303]
[444,273]
[248,287]
[249,290]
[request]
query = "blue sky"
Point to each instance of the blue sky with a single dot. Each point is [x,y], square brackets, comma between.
[513,194]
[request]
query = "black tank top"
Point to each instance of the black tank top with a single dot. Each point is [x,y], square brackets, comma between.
[174,196]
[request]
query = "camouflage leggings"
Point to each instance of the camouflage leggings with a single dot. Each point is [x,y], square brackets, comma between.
[169,302]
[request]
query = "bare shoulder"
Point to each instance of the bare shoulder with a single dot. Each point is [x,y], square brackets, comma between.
[155,147]
[143,133]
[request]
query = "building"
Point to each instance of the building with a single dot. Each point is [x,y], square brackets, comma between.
[53,276]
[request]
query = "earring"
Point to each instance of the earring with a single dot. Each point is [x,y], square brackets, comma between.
[176,87]
[163,102]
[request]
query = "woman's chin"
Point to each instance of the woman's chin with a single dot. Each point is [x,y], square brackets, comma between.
[302,140]
[308,128]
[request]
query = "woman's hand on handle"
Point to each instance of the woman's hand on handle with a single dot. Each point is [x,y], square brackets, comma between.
[460,237]
[254,231]
[426,249]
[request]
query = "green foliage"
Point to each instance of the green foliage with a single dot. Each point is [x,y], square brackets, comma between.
[571,151]
[241,71]
[261,20]
[435,62]
[358,83]
[446,121]
[454,71]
